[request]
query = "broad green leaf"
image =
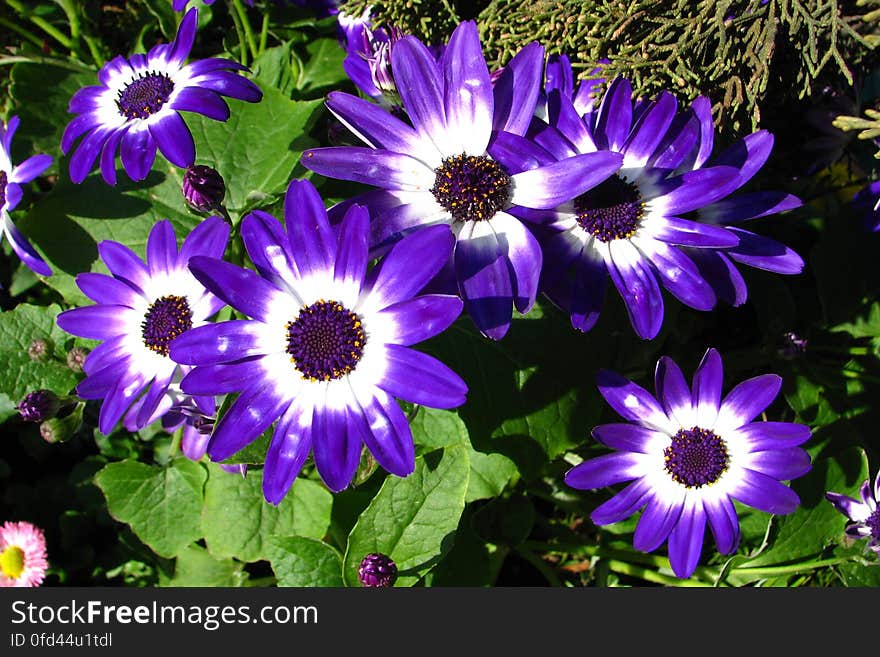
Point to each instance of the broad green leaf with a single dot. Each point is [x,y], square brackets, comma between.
[816,524]
[300,561]
[413,519]
[490,473]
[196,567]
[69,223]
[42,93]
[18,329]
[322,71]
[257,149]
[272,69]
[238,522]
[162,505]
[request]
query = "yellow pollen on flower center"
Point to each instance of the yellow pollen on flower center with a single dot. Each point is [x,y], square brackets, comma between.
[12,561]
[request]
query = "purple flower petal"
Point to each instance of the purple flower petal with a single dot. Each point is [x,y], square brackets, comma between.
[84,156]
[103,289]
[467,90]
[267,245]
[420,379]
[725,279]
[627,437]
[162,248]
[119,398]
[749,206]
[764,493]
[370,166]
[183,41]
[218,343]
[764,253]
[23,249]
[483,274]
[31,168]
[632,402]
[174,140]
[549,186]
[707,385]
[77,127]
[249,416]
[351,257]
[606,470]
[421,318]
[516,90]
[209,238]
[852,509]
[242,289]
[420,84]
[637,284]
[108,156]
[221,378]
[761,436]
[410,264]
[615,115]
[692,233]
[694,189]
[337,450]
[386,433]
[517,153]
[231,85]
[748,154]
[723,522]
[124,264]
[138,152]
[673,391]
[291,443]
[93,322]
[524,255]
[657,521]
[686,541]
[623,505]
[747,400]
[649,130]
[201,101]
[565,118]
[783,464]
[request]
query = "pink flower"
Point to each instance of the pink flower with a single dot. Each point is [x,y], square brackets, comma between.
[22,554]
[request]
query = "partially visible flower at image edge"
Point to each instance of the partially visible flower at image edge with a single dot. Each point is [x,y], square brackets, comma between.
[689,454]
[136,108]
[327,351]
[23,559]
[180,5]
[864,515]
[11,179]
[139,310]
[866,203]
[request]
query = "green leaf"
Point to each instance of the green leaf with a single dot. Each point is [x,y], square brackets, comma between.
[42,93]
[69,223]
[413,519]
[490,473]
[238,522]
[272,69]
[323,70]
[300,561]
[162,505]
[196,567]
[816,524]
[257,149]
[18,328]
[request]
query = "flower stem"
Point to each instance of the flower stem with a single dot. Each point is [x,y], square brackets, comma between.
[42,23]
[625,568]
[242,47]
[30,36]
[540,565]
[264,32]
[246,24]
[788,569]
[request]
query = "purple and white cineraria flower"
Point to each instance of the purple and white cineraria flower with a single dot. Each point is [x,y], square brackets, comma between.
[139,310]
[368,58]
[136,108]
[661,219]
[689,454]
[444,168]
[864,515]
[11,180]
[327,351]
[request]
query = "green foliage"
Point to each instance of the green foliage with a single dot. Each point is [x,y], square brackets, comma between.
[163,505]
[196,567]
[412,519]
[301,561]
[238,522]
[19,327]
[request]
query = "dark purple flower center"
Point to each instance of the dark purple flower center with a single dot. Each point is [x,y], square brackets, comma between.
[471,187]
[696,457]
[873,523]
[145,96]
[377,571]
[166,318]
[325,341]
[610,211]
[3,181]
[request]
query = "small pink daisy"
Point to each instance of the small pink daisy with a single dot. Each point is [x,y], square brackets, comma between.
[22,554]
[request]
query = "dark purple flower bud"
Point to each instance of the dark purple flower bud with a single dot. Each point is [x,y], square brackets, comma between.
[203,188]
[40,349]
[377,571]
[39,405]
[76,357]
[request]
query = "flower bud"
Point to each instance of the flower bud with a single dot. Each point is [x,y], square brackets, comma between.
[40,349]
[76,357]
[203,188]
[63,428]
[39,405]
[377,571]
